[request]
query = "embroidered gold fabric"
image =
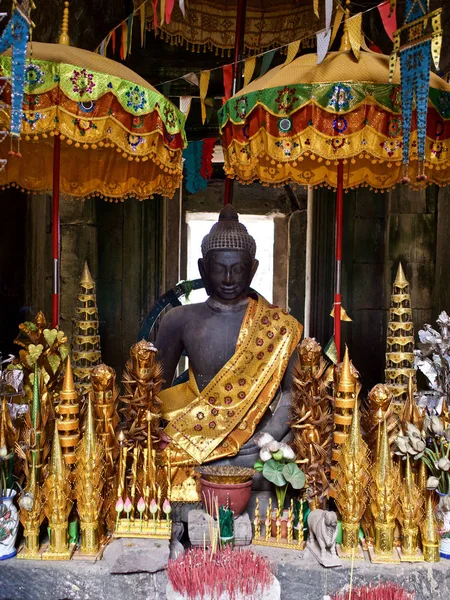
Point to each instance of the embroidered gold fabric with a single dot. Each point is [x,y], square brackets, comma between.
[218,421]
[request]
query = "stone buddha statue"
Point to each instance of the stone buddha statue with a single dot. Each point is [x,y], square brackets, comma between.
[239,348]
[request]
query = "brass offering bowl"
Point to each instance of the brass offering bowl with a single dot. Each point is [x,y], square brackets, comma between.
[226,475]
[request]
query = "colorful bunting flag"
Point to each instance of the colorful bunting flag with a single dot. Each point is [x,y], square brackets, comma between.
[323,40]
[292,52]
[207,154]
[142,17]
[155,14]
[182,7]
[169,9]
[185,105]
[227,71]
[192,162]
[355,34]
[124,41]
[316,7]
[328,13]
[388,18]
[337,22]
[266,62]
[204,84]
[330,351]
[130,33]
[249,69]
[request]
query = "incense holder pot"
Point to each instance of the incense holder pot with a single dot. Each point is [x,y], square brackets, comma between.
[443,518]
[9,522]
[233,495]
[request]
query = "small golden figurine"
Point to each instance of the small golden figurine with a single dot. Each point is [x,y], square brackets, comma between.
[400,340]
[89,484]
[57,504]
[351,486]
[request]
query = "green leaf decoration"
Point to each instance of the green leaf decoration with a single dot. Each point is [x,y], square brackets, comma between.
[30,326]
[54,361]
[64,351]
[278,455]
[50,336]
[34,353]
[294,475]
[259,466]
[60,335]
[273,471]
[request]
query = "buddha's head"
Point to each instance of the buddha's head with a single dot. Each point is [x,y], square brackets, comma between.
[228,264]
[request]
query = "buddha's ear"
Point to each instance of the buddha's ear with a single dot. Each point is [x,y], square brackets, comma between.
[255,266]
[203,274]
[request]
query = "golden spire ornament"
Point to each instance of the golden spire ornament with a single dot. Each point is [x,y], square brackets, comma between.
[411,412]
[89,484]
[64,37]
[56,492]
[344,404]
[86,351]
[430,533]
[68,411]
[410,516]
[351,486]
[400,340]
[384,490]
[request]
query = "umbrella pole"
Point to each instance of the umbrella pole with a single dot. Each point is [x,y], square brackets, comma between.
[337,294]
[56,229]
[238,45]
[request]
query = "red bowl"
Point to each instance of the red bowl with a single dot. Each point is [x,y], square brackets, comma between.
[233,495]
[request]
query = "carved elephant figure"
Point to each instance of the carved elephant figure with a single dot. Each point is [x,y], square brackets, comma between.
[322,525]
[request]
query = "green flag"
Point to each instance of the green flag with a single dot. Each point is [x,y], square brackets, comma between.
[266,62]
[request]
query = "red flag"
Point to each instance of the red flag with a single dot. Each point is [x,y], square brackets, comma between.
[169,9]
[113,41]
[207,154]
[389,22]
[227,80]
[155,14]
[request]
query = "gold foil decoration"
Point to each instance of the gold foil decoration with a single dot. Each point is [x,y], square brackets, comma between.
[86,351]
[383,502]
[377,408]
[400,340]
[430,533]
[56,494]
[89,484]
[68,411]
[410,516]
[351,486]
[312,418]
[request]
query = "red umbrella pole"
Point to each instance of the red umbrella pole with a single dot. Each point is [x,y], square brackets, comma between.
[55,229]
[337,295]
[238,45]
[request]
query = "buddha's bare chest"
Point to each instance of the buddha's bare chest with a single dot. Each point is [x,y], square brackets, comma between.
[210,343]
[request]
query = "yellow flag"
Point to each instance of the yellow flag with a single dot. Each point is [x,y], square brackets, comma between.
[204,84]
[354,34]
[162,10]
[337,22]
[292,52]
[316,7]
[249,69]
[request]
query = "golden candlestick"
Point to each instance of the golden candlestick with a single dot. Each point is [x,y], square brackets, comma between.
[153,472]
[278,524]
[256,521]
[300,537]
[290,521]
[169,473]
[133,478]
[268,523]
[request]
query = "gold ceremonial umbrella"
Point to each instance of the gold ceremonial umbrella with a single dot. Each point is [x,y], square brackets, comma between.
[120,136]
[338,124]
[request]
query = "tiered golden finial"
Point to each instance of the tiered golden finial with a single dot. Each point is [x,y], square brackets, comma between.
[430,533]
[351,486]
[312,419]
[86,351]
[344,404]
[89,484]
[410,516]
[400,340]
[56,492]
[383,504]
[64,37]
[68,410]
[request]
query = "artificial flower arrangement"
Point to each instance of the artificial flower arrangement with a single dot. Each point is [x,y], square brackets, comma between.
[432,446]
[277,464]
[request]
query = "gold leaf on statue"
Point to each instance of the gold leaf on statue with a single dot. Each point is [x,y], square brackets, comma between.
[50,336]
[54,361]
[34,353]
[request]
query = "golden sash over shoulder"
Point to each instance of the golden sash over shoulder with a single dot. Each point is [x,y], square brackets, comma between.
[218,421]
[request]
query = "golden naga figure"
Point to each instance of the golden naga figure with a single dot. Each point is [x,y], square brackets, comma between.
[239,348]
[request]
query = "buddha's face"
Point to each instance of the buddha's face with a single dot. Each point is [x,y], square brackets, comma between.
[227,274]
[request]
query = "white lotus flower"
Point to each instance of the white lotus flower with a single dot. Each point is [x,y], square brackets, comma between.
[263,439]
[443,464]
[432,483]
[274,446]
[287,451]
[265,454]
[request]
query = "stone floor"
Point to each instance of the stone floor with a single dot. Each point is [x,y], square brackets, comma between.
[300,576]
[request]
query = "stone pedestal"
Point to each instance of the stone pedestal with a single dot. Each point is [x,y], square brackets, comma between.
[133,555]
